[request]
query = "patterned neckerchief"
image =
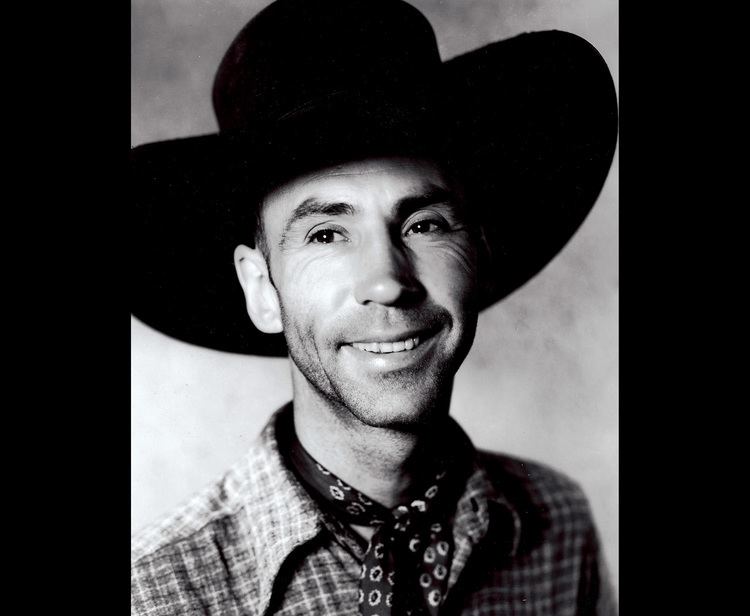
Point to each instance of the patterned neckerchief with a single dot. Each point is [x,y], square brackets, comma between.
[405,569]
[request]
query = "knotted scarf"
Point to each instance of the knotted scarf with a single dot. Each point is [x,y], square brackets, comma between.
[406,566]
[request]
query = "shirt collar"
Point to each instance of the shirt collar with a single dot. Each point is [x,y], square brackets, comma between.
[482,503]
[278,513]
[281,516]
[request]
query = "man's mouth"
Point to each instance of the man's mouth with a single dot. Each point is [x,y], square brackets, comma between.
[396,346]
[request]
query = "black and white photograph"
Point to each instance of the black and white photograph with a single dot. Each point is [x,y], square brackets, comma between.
[374,307]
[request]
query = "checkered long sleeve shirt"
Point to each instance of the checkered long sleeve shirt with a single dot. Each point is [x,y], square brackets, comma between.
[256,543]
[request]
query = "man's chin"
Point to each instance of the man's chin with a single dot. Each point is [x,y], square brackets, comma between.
[397,406]
[397,390]
[400,392]
[413,420]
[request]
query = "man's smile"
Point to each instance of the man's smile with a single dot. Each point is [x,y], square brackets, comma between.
[394,341]
[388,347]
[397,353]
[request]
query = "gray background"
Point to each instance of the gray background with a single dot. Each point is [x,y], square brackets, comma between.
[542,378]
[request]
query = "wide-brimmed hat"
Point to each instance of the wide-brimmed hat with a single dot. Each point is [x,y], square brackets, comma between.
[528,124]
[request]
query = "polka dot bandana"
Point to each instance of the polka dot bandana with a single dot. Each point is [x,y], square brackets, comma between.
[405,569]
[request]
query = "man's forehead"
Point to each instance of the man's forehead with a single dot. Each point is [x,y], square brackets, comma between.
[352,181]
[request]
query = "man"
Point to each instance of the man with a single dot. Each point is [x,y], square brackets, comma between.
[375,199]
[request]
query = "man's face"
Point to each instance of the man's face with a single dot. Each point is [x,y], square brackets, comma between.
[374,266]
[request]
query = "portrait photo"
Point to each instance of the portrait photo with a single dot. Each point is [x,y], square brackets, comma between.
[374,307]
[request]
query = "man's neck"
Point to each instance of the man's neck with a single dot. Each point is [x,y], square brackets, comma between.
[380,462]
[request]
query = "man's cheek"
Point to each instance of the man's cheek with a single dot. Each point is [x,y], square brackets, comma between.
[454,271]
[463,256]
[319,280]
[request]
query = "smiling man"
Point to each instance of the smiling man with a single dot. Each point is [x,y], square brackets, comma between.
[376,199]
[369,269]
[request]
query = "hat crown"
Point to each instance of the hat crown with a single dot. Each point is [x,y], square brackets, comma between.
[296,52]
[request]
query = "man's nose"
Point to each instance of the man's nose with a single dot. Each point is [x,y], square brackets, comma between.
[386,274]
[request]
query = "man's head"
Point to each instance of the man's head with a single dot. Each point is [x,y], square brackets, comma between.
[369,269]
[529,124]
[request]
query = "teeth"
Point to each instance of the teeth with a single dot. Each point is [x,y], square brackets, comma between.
[388,347]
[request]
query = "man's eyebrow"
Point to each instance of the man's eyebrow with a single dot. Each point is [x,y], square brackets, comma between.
[315,207]
[431,194]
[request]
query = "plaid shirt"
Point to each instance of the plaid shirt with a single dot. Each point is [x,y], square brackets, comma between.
[256,543]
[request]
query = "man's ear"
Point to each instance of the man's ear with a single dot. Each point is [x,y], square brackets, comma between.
[261,298]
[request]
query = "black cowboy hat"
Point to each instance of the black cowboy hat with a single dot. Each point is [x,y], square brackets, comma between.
[529,124]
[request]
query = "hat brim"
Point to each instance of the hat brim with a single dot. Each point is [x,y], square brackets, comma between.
[533,124]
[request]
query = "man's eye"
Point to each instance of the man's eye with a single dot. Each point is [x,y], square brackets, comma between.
[325,236]
[426,226]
